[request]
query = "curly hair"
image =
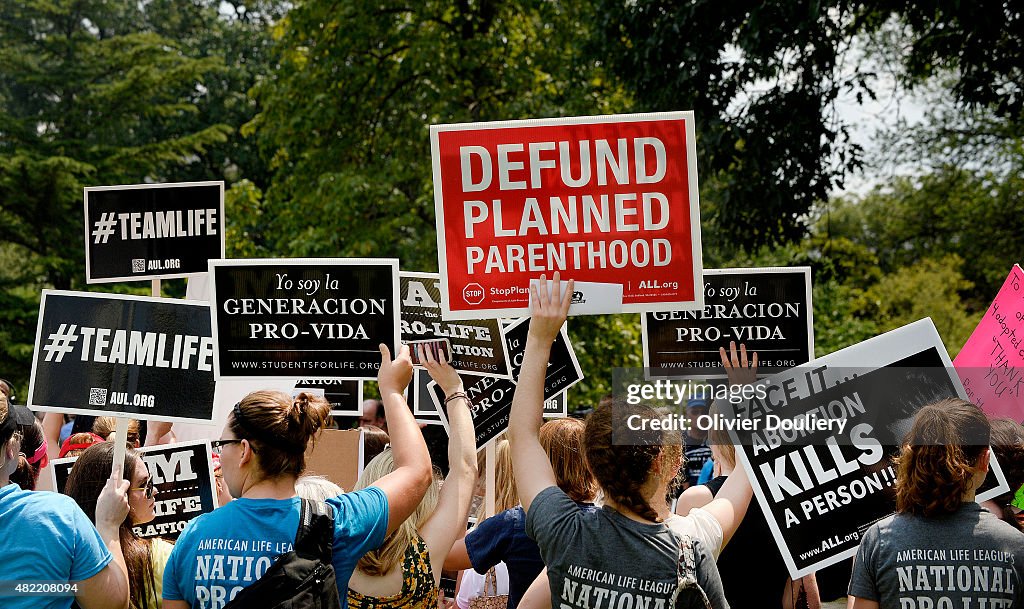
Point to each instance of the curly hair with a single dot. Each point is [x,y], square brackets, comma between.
[937,463]
[622,459]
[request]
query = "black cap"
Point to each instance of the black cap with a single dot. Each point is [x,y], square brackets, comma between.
[17,416]
[22,415]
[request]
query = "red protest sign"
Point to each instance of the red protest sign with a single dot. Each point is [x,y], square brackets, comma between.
[610,201]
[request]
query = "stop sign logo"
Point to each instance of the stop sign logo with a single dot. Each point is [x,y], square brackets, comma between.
[473,293]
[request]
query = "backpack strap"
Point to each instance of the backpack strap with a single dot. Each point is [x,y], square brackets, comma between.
[686,572]
[315,536]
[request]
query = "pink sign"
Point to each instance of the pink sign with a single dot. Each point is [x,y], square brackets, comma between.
[991,364]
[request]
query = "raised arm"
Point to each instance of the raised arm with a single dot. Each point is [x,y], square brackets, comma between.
[108,589]
[406,485]
[529,461]
[448,521]
[730,505]
[538,595]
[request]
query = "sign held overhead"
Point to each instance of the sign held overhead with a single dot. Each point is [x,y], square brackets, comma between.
[605,200]
[152,231]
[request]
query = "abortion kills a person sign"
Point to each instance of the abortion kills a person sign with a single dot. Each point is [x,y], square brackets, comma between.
[478,346]
[111,354]
[151,231]
[295,318]
[768,310]
[818,441]
[609,201]
[182,476]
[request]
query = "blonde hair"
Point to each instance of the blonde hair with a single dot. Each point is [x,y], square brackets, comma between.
[104,426]
[389,555]
[506,496]
[562,440]
[719,438]
[317,488]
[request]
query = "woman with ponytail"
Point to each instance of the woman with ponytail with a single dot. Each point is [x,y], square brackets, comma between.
[262,454]
[940,548]
[405,572]
[34,456]
[632,552]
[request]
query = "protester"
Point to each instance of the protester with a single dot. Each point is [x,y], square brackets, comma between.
[405,571]
[316,488]
[502,538]
[47,537]
[76,444]
[769,585]
[505,495]
[695,440]
[262,450]
[940,549]
[374,415]
[375,440]
[629,538]
[33,458]
[65,429]
[1008,444]
[7,390]
[106,426]
[145,558]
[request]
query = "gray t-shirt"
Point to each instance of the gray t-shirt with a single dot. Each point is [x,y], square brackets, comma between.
[967,560]
[599,559]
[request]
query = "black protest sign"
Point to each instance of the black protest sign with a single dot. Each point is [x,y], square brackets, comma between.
[478,346]
[183,485]
[424,408]
[110,354]
[152,231]
[492,405]
[345,396]
[61,469]
[557,407]
[769,310]
[820,439]
[563,368]
[321,318]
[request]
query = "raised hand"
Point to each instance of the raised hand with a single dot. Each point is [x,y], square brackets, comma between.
[737,367]
[548,310]
[446,377]
[394,376]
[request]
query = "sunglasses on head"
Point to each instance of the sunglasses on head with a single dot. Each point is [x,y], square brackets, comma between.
[149,488]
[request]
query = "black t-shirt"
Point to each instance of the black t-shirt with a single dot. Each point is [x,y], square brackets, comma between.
[752,569]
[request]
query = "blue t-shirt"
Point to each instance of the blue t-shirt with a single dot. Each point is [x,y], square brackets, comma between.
[46,536]
[224,551]
[502,538]
[707,472]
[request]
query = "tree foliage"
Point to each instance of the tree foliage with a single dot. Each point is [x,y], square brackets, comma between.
[316,112]
[344,119]
[86,98]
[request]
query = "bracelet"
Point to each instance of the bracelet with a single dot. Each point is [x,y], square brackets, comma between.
[457,395]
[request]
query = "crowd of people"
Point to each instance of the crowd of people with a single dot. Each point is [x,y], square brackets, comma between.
[582,519]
